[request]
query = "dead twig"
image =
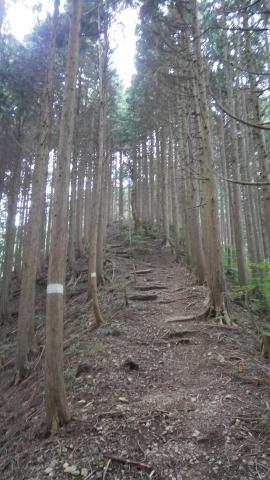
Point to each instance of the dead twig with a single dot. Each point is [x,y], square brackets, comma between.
[141,465]
[106,469]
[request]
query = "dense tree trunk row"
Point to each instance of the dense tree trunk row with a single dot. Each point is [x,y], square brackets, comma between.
[178,164]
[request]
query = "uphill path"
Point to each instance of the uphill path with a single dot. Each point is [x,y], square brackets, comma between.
[152,397]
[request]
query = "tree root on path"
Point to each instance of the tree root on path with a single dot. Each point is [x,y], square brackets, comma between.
[195,316]
[221,315]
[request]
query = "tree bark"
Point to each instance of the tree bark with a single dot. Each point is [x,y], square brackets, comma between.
[103,52]
[26,326]
[57,412]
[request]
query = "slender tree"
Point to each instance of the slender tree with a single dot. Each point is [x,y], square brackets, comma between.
[26,330]
[57,412]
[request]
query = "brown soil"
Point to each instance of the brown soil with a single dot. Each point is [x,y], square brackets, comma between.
[150,399]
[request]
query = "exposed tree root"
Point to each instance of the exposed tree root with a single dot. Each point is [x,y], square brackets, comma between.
[223,317]
[195,316]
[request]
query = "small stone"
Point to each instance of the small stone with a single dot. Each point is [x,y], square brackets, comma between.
[72,469]
[221,359]
[84,472]
[48,470]
[123,399]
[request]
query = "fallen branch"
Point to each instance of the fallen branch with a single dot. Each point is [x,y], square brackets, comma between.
[180,334]
[143,272]
[253,380]
[220,325]
[164,302]
[144,466]
[145,288]
[142,297]
[106,469]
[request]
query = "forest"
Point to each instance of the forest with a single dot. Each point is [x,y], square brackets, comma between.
[135,244]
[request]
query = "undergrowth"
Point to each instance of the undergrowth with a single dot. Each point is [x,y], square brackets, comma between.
[256,294]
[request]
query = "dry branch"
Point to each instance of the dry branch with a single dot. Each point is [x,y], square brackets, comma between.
[240,120]
[145,288]
[144,466]
[143,272]
[142,297]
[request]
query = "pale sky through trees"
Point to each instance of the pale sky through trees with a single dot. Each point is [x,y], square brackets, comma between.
[22,15]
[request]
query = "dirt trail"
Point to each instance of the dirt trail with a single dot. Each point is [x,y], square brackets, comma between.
[150,399]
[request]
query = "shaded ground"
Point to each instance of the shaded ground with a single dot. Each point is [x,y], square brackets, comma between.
[186,400]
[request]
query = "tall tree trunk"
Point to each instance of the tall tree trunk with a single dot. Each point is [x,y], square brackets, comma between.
[165,188]
[103,52]
[211,241]
[26,327]
[237,213]
[134,192]
[263,154]
[10,236]
[121,189]
[57,412]
[175,201]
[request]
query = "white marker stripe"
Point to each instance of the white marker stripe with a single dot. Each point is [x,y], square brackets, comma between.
[55,288]
[93,274]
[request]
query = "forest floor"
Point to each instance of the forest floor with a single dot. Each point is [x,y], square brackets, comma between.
[150,399]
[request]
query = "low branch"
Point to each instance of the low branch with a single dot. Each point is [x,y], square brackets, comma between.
[242,182]
[245,122]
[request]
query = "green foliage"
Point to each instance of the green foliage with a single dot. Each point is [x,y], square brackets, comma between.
[265,330]
[257,292]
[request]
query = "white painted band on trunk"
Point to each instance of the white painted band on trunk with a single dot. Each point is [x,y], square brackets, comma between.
[93,275]
[55,288]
